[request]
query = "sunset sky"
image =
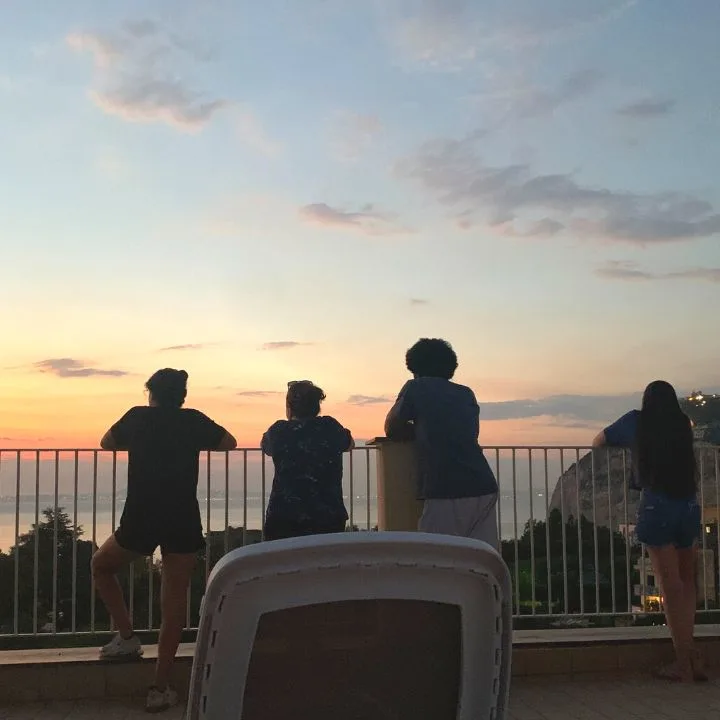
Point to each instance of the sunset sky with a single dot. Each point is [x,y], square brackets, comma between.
[261,192]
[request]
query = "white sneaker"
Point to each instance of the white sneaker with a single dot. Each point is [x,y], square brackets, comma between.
[160,700]
[120,648]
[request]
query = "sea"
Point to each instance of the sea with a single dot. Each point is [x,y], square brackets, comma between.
[90,487]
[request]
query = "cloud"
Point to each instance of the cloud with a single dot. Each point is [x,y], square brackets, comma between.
[418,301]
[282,345]
[364,400]
[257,393]
[543,228]
[188,346]
[509,199]
[252,133]
[571,408]
[354,134]
[367,220]
[621,270]
[647,109]
[137,76]
[537,102]
[72,368]
[25,440]
[449,34]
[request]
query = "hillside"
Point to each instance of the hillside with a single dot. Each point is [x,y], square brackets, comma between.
[609,489]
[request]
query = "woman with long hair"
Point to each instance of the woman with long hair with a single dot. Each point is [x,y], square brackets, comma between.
[660,438]
[307,450]
[164,442]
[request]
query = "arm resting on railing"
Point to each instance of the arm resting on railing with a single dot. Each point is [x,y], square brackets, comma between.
[600,440]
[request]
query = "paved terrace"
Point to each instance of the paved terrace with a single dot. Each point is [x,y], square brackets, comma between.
[578,674]
[530,699]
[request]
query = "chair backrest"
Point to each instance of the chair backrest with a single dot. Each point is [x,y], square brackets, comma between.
[360,626]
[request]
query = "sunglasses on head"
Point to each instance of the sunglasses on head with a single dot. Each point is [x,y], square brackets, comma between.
[292,383]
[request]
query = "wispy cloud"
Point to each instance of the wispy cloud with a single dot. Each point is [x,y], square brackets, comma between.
[509,198]
[188,346]
[538,102]
[353,134]
[571,408]
[251,132]
[450,34]
[363,400]
[283,345]
[622,270]
[137,75]
[367,220]
[72,368]
[257,393]
[25,440]
[419,301]
[647,109]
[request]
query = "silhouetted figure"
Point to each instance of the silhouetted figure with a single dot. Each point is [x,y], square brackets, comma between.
[669,523]
[455,479]
[307,450]
[164,442]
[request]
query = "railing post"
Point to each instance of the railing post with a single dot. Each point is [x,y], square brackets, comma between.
[398,506]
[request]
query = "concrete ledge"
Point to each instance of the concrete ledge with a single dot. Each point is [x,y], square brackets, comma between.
[78,674]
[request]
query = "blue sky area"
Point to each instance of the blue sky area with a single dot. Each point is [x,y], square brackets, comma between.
[303,188]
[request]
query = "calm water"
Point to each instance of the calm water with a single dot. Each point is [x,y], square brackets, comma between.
[235,491]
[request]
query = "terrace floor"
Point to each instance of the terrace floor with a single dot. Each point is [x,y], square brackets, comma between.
[569,674]
[553,698]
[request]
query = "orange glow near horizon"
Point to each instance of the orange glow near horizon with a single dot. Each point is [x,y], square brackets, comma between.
[42,410]
[81,424]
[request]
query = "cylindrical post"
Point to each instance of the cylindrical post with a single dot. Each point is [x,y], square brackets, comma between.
[398,507]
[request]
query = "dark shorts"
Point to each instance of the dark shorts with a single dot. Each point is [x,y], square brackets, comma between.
[280,528]
[174,532]
[662,521]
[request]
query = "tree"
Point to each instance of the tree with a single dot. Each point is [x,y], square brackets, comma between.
[582,572]
[72,592]
[49,583]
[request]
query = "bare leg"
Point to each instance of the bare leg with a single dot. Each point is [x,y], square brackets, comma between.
[665,561]
[176,573]
[687,565]
[106,562]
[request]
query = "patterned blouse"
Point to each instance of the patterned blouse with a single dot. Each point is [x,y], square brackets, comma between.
[307,487]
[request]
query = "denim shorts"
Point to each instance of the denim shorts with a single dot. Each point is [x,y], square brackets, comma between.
[663,521]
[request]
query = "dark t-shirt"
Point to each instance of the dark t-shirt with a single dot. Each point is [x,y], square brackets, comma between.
[164,446]
[621,434]
[446,420]
[307,454]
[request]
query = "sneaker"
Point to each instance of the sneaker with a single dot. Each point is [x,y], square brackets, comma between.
[120,648]
[160,700]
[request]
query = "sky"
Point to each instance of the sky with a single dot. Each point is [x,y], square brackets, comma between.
[263,192]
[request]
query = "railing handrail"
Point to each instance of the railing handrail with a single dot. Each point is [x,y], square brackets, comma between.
[369,446]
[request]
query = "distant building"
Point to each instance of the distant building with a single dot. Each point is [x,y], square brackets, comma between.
[704,412]
[650,593]
[628,532]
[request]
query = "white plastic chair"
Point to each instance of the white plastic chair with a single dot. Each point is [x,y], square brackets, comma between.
[388,626]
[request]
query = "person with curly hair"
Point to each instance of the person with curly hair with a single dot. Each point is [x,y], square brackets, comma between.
[307,450]
[455,480]
[164,441]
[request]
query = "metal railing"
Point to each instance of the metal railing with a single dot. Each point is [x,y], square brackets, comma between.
[566,520]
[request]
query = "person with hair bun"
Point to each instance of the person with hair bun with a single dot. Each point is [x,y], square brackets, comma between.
[164,441]
[307,450]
